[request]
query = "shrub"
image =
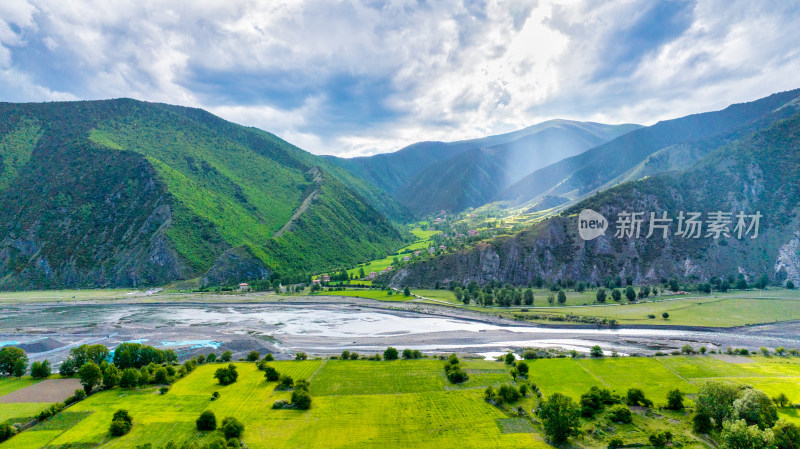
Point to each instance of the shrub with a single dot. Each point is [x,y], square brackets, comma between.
[615,442]
[120,423]
[301,399]
[508,393]
[660,438]
[163,390]
[79,395]
[279,404]
[522,367]
[390,353]
[6,431]
[675,400]
[636,396]
[301,356]
[253,356]
[206,421]
[271,374]
[232,428]
[227,376]
[119,428]
[756,408]
[620,413]
[286,382]
[701,423]
[215,395]
[596,351]
[302,384]
[211,358]
[269,357]
[226,356]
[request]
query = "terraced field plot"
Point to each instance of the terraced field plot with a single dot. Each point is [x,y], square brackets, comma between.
[404,403]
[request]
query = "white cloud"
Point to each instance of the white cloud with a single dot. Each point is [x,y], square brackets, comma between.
[359,78]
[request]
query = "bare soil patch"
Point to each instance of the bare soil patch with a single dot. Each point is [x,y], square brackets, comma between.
[51,390]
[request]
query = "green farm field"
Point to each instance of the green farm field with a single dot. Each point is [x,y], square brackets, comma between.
[404,403]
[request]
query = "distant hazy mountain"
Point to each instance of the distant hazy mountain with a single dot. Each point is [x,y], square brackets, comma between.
[757,173]
[668,145]
[431,176]
[127,193]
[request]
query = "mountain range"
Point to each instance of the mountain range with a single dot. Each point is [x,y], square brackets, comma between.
[128,193]
[744,159]
[428,177]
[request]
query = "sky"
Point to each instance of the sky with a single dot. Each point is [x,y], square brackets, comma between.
[358,78]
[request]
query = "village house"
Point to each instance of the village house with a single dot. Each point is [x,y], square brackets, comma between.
[243,287]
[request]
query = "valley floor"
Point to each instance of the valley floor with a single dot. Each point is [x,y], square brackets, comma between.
[403,403]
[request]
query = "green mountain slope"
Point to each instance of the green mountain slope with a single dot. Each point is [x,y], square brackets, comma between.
[469,173]
[759,172]
[122,192]
[616,161]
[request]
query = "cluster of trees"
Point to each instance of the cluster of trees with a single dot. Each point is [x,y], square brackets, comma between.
[231,431]
[226,375]
[453,371]
[494,293]
[301,398]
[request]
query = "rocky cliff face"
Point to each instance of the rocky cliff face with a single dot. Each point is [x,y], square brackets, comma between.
[758,174]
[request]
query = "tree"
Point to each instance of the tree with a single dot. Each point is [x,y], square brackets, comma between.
[161,376]
[206,421]
[522,367]
[635,396]
[756,408]
[562,297]
[253,356]
[406,292]
[738,435]
[560,417]
[665,315]
[40,370]
[129,378]
[301,356]
[67,368]
[596,351]
[787,435]
[227,356]
[790,284]
[227,376]
[271,374]
[630,293]
[121,422]
[232,428]
[286,382]
[90,376]
[715,400]
[550,298]
[510,359]
[390,353]
[269,357]
[110,376]
[88,353]
[9,357]
[211,358]
[762,282]
[601,295]
[528,297]
[675,400]
[301,399]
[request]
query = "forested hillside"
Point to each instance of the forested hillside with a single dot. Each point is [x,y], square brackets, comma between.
[430,176]
[121,193]
[756,174]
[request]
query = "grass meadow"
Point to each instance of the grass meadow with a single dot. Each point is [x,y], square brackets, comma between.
[404,403]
